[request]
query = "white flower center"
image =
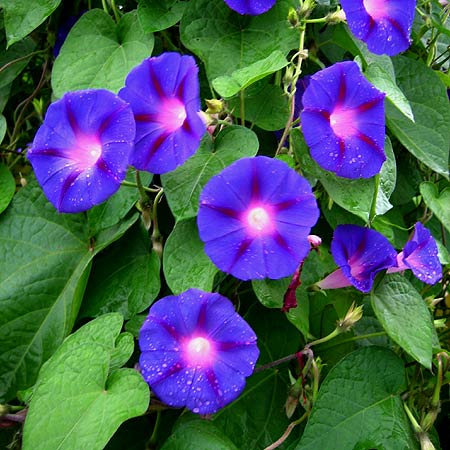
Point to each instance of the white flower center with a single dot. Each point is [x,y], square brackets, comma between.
[258,219]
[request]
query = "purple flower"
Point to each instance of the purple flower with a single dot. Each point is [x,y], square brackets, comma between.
[196,351]
[255,217]
[384,25]
[80,153]
[360,254]
[163,92]
[343,121]
[420,254]
[251,7]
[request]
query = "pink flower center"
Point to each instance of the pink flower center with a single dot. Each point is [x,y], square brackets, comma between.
[259,221]
[199,351]
[172,114]
[342,122]
[376,9]
[87,152]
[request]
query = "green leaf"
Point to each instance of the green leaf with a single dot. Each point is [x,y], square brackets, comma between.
[359,405]
[76,404]
[197,435]
[185,263]
[99,54]
[271,292]
[226,41]
[157,15]
[354,195]
[183,186]
[45,261]
[229,85]
[17,56]
[3,127]
[23,16]
[405,317]
[124,278]
[7,186]
[437,201]
[44,266]
[380,72]
[428,137]
[265,106]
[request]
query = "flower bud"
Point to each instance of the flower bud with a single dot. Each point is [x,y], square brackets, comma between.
[353,315]
[336,17]
[306,9]
[293,17]
[314,241]
[214,105]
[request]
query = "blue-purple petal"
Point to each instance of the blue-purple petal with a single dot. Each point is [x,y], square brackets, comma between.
[228,198]
[388,31]
[203,385]
[158,87]
[355,148]
[81,124]
[420,254]
[361,253]
[250,7]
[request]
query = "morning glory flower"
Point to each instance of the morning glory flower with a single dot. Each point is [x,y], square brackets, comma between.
[255,217]
[196,351]
[360,254]
[384,25]
[420,254]
[343,121]
[80,153]
[163,92]
[251,7]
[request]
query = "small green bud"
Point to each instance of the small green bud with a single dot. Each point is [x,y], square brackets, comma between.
[293,17]
[353,315]
[306,8]
[336,17]
[214,106]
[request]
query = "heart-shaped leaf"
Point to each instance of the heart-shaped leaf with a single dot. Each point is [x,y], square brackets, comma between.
[99,54]
[77,403]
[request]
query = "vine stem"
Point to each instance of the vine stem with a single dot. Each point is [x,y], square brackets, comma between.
[288,431]
[14,61]
[298,70]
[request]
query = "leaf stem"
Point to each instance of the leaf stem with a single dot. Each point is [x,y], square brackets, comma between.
[115,11]
[134,185]
[242,98]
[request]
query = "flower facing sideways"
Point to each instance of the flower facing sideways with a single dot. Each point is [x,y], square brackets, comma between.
[360,254]
[255,217]
[196,351]
[420,255]
[384,25]
[250,7]
[80,153]
[163,92]
[343,121]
